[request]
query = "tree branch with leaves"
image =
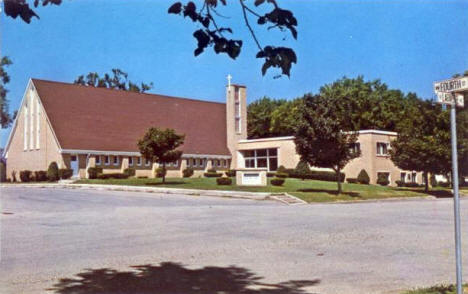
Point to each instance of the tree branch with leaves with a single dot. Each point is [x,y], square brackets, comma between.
[117,80]
[213,35]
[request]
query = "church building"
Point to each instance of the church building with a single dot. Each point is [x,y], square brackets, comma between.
[80,127]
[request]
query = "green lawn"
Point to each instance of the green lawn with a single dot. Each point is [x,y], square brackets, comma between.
[308,190]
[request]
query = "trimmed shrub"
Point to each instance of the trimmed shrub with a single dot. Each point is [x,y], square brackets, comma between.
[25,176]
[363,177]
[352,180]
[317,175]
[230,173]
[112,176]
[188,172]
[40,175]
[65,173]
[2,171]
[400,183]
[282,169]
[94,172]
[302,170]
[212,175]
[277,181]
[282,175]
[271,174]
[382,180]
[142,177]
[443,184]
[160,172]
[211,170]
[411,185]
[130,172]
[53,172]
[224,181]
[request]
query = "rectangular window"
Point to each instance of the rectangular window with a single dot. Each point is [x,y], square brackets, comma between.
[413,177]
[38,123]
[98,159]
[202,162]
[139,161]
[187,162]
[130,160]
[176,163]
[147,162]
[194,162]
[106,160]
[403,177]
[225,163]
[116,160]
[382,148]
[261,158]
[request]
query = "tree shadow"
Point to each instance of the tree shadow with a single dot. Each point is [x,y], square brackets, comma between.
[166,183]
[174,278]
[331,192]
[436,193]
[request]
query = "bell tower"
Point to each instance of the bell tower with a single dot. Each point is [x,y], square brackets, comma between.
[236,116]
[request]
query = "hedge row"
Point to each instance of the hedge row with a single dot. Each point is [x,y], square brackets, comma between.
[315,175]
[224,181]
[42,175]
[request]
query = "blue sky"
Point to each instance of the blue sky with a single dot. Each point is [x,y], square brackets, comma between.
[407,44]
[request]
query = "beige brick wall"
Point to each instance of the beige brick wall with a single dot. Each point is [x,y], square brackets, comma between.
[33,159]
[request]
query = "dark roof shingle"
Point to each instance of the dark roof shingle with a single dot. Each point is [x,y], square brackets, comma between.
[88,118]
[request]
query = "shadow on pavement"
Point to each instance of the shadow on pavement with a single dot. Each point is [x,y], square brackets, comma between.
[166,183]
[174,278]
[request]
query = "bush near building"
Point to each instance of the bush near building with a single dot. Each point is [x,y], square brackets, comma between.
[212,174]
[352,180]
[363,177]
[130,172]
[65,173]
[317,175]
[25,176]
[53,172]
[112,176]
[40,175]
[302,170]
[161,172]
[382,180]
[94,172]
[188,172]
[224,181]
[277,181]
[230,173]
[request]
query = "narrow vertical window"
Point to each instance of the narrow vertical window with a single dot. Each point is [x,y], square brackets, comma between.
[31,122]
[38,123]
[26,126]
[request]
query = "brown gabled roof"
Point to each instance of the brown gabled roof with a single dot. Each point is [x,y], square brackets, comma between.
[88,118]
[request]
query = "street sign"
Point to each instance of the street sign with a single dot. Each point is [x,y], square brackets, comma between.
[452,85]
[449,98]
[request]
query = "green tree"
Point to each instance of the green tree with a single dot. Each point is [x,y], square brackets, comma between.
[5,117]
[423,142]
[302,169]
[284,118]
[118,80]
[160,146]
[324,134]
[259,117]
[209,33]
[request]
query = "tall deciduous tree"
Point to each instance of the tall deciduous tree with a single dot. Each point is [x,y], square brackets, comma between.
[118,80]
[259,117]
[324,134]
[160,146]
[5,117]
[423,142]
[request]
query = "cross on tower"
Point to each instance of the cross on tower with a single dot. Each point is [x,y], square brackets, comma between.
[229,77]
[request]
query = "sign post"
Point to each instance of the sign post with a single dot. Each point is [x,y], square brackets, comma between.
[450,92]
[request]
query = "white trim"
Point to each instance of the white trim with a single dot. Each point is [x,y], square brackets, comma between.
[377,132]
[211,156]
[97,152]
[266,140]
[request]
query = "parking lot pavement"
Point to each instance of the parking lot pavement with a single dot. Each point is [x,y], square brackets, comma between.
[219,245]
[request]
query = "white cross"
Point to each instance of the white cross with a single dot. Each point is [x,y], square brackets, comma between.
[229,77]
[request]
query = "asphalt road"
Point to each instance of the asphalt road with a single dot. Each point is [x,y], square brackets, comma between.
[190,244]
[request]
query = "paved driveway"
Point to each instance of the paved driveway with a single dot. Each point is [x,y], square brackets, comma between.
[190,244]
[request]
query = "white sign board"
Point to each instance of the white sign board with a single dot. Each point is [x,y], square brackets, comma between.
[450,98]
[251,179]
[452,85]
